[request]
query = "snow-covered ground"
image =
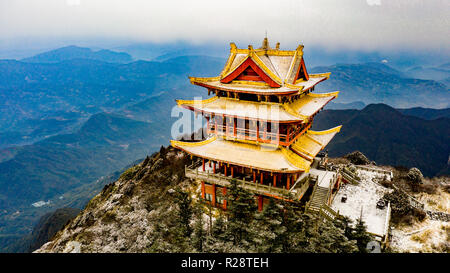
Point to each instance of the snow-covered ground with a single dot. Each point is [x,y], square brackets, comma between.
[363,198]
[426,236]
[40,203]
[324,177]
[429,235]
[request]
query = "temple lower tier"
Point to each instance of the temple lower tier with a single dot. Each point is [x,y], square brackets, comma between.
[216,196]
[267,171]
[216,177]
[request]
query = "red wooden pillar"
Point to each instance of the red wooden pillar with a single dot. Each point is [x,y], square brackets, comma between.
[226,127]
[234,126]
[203,189]
[203,164]
[232,171]
[214,167]
[257,130]
[262,177]
[288,181]
[274,179]
[224,193]
[254,177]
[260,202]
[214,195]
[225,169]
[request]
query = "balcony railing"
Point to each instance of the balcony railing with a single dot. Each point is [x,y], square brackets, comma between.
[261,136]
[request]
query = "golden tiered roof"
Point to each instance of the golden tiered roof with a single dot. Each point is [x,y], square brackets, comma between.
[267,158]
[281,66]
[260,88]
[299,110]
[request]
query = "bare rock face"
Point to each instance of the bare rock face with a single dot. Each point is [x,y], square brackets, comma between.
[123,215]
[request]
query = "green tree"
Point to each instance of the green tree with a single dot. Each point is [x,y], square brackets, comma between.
[331,238]
[268,228]
[241,212]
[361,236]
[217,242]
[184,212]
[199,234]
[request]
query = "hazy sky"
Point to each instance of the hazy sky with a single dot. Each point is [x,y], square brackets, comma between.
[353,24]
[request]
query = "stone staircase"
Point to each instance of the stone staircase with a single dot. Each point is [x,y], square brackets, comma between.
[318,198]
[350,176]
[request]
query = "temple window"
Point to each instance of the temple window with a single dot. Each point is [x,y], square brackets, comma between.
[208,197]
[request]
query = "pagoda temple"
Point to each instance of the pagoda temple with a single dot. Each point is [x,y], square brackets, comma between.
[258,125]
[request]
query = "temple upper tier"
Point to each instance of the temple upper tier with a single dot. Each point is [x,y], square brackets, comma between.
[299,110]
[264,72]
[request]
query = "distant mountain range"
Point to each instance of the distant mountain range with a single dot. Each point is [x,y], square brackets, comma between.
[40,100]
[75,52]
[437,73]
[314,55]
[389,137]
[379,83]
[426,113]
[339,106]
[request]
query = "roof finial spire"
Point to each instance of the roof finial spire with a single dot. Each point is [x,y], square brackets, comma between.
[265,44]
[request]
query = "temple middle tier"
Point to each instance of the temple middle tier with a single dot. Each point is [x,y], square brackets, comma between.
[268,158]
[278,123]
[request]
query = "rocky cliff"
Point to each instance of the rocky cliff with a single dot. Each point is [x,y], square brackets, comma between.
[123,215]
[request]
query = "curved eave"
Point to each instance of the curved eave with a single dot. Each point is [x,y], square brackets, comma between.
[278,160]
[292,89]
[297,110]
[311,143]
[189,107]
[300,85]
[336,129]
[272,112]
[233,89]
[203,79]
[198,106]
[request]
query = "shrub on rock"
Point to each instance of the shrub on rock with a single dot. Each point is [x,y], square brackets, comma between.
[357,158]
[415,176]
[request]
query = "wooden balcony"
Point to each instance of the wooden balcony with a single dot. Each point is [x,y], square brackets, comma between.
[296,192]
[256,135]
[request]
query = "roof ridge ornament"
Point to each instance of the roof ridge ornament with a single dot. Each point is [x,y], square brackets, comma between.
[251,51]
[233,47]
[265,44]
